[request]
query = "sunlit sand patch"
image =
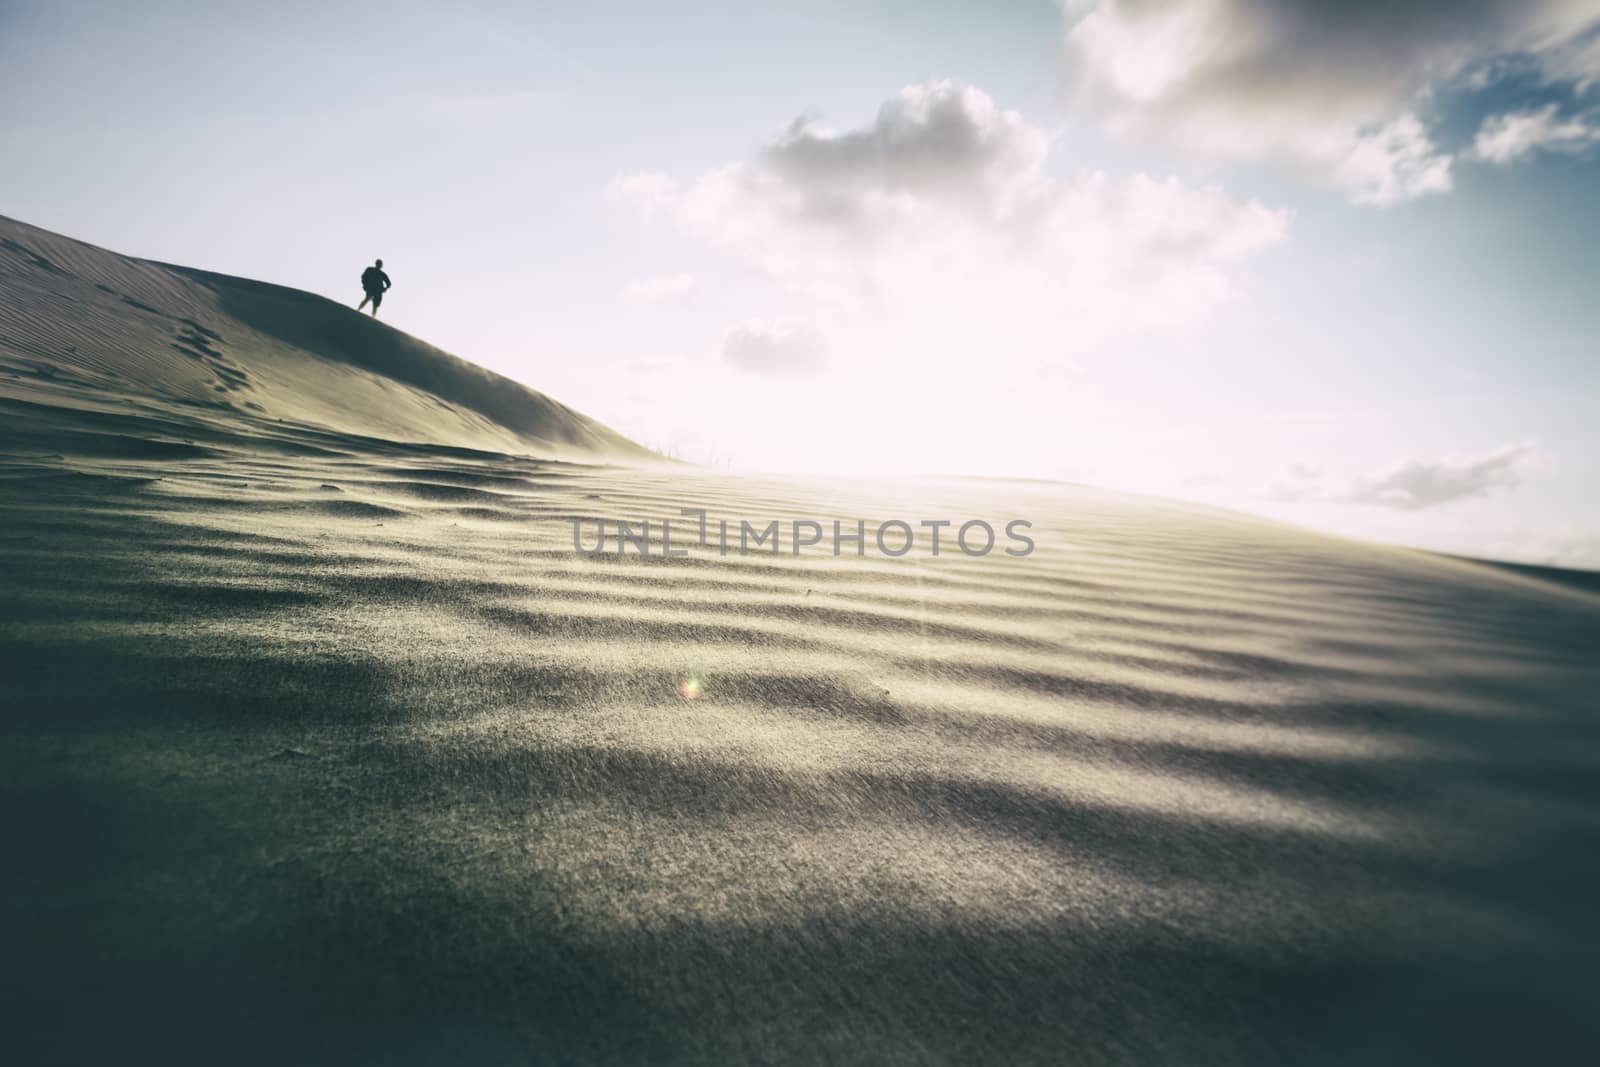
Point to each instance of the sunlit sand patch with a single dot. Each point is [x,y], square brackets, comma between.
[797,741]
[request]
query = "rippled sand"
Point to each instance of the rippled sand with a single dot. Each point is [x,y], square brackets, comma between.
[321,748]
[319,757]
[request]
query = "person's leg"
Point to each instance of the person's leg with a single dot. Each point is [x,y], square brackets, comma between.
[377,298]
[363,305]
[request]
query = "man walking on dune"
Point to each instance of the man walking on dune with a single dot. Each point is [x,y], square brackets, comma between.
[376,283]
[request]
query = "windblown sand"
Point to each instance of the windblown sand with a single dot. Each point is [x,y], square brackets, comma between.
[324,747]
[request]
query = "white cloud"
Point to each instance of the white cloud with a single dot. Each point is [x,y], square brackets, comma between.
[1394,163]
[1420,484]
[1575,61]
[1336,89]
[1563,546]
[673,288]
[788,348]
[936,227]
[647,191]
[1568,549]
[1508,137]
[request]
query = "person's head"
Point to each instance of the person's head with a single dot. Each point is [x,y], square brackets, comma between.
[379,263]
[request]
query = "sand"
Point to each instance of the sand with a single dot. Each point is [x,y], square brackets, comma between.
[322,745]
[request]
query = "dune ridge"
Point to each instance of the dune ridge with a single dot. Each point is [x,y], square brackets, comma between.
[322,746]
[91,328]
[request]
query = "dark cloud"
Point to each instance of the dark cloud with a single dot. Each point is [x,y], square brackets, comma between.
[1341,86]
[940,140]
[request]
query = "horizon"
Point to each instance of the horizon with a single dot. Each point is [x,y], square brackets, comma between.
[1038,245]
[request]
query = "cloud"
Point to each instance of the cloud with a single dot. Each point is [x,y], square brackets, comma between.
[1302,484]
[1508,137]
[936,225]
[1422,484]
[1397,162]
[1286,493]
[1568,549]
[674,288]
[1335,87]
[647,191]
[941,141]
[788,348]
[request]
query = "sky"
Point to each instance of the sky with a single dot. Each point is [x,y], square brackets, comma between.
[1330,262]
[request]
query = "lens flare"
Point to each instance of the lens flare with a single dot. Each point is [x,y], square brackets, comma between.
[691,687]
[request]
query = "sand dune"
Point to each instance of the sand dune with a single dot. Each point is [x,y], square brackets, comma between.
[323,745]
[87,328]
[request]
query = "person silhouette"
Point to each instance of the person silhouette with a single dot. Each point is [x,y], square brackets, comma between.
[376,283]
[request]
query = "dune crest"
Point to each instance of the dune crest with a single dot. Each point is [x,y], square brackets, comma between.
[81,327]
